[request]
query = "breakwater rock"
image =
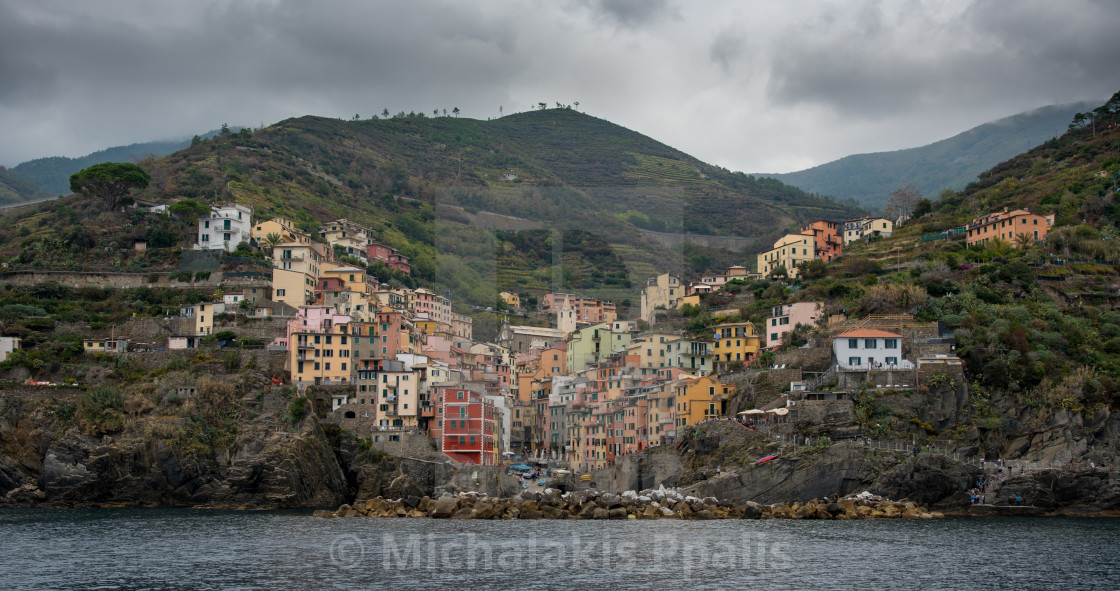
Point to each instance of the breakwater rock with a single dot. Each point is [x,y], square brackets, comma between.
[648,504]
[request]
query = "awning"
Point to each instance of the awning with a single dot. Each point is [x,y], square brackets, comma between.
[521,467]
[779,411]
[753,411]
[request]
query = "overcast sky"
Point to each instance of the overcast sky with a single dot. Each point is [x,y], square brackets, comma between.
[755,86]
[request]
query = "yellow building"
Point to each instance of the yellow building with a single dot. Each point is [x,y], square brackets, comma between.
[692,300]
[702,398]
[353,278]
[282,227]
[736,341]
[321,357]
[201,317]
[296,272]
[789,251]
[653,350]
[510,299]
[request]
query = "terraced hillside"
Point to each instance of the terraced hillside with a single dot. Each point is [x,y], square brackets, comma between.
[436,188]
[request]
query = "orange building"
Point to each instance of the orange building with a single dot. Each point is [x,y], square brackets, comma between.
[827,235]
[1008,226]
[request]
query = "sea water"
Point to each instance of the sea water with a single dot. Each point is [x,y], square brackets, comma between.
[201,549]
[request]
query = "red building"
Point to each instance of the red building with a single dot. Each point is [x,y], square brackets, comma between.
[465,427]
[392,258]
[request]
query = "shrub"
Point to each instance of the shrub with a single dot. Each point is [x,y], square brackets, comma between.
[101,411]
[297,409]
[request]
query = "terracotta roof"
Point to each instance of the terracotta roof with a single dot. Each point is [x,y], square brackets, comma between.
[867,333]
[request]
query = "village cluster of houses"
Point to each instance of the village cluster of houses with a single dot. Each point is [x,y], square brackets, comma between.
[590,388]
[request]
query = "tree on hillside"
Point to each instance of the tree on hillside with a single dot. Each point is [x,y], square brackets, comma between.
[902,202]
[385,113]
[455,111]
[109,181]
[1023,240]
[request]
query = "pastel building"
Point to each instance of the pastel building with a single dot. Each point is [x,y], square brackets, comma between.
[866,228]
[789,251]
[867,349]
[224,228]
[826,237]
[1008,226]
[661,291]
[736,341]
[786,317]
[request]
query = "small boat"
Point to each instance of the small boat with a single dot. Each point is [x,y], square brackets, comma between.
[767,458]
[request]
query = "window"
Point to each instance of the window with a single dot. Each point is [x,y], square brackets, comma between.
[853,343]
[892,360]
[853,361]
[869,343]
[890,343]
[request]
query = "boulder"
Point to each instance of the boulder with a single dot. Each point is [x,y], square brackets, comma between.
[443,507]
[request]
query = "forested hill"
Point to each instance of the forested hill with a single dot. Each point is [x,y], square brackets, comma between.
[948,164]
[425,185]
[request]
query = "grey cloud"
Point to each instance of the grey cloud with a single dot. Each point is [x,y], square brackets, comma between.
[870,67]
[727,48]
[633,13]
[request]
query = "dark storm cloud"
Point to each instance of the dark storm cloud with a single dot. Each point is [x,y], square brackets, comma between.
[890,58]
[749,85]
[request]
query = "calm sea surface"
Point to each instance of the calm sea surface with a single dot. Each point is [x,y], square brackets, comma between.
[189,549]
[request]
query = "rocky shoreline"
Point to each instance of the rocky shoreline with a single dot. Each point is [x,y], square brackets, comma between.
[649,504]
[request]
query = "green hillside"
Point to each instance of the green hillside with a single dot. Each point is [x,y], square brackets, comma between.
[439,188]
[948,164]
[16,189]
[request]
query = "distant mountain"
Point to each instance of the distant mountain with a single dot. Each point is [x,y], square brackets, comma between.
[52,174]
[16,189]
[948,164]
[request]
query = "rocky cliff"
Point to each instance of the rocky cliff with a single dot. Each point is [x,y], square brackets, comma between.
[237,446]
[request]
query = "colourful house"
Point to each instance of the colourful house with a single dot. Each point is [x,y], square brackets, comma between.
[736,341]
[700,399]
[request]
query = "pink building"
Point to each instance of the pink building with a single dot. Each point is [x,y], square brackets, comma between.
[787,316]
[311,319]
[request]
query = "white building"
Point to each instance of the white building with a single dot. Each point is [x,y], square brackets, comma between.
[225,228]
[867,349]
[7,345]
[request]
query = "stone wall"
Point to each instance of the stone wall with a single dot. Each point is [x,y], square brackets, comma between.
[267,328]
[78,279]
[106,279]
[851,380]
